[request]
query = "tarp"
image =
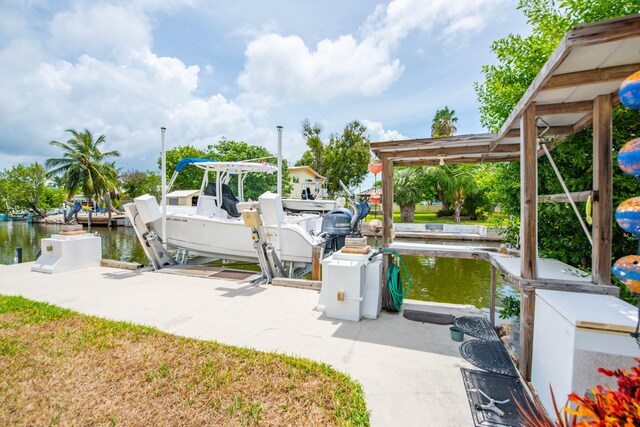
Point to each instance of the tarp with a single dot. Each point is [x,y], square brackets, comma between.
[188,160]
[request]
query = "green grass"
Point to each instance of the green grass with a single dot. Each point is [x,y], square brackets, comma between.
[60,367]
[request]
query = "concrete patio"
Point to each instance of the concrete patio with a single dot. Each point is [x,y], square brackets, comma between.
[410,371]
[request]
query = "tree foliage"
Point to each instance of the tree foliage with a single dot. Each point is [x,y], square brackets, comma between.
[444,123]
[83,166]
[190,178]
[345,158]
[519,59]
[455,182]
[24,187]
[407,191]
[135,183]
[314,156]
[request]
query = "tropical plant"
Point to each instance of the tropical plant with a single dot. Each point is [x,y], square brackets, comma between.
[519,59]
[444,123]
[135,183]
[24,187]
[455,183]
[510,307]
[606,407]
[83,166]
[407,192]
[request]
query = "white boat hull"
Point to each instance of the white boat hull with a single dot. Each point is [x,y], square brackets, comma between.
[299,205]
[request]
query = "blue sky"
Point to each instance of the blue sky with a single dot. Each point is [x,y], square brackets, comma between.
[212,69]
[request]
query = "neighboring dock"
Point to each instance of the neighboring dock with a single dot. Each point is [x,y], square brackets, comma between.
[410,371]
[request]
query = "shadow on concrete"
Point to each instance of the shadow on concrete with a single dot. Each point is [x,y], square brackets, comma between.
[121,276]
[392,329]
[246,290]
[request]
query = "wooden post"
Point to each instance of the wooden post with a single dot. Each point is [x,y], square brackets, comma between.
[492,298]
[528,232]
[603,187]
[387,216]
[316,263]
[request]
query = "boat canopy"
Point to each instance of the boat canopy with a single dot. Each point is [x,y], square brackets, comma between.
[189,160]
[236,167]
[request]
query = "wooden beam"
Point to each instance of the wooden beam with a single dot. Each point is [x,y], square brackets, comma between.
[583,122]
[564,108]
[465,149]
[528,232]
[380,146]
[457,160]
[603,184]
[588,77]
[578,196]
[387,200]
[492,297]
[553,130]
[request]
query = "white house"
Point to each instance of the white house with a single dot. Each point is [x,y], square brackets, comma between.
[303,178]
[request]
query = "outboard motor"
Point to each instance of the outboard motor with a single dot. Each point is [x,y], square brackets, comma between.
[337,224]
[340,222]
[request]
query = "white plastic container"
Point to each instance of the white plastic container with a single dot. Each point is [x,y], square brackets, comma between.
[343,289]
[148,208]
[65,253]
[372,303]
[575,334]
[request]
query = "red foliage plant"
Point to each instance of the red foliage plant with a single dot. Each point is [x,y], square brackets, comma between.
[607,407]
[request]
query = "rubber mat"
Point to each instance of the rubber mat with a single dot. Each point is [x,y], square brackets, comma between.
[476,326]
[428,317]
[500,388]
[488,355]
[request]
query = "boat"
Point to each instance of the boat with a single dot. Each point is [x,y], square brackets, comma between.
[320,206]
[214,227]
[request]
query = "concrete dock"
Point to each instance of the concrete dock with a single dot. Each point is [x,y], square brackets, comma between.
[410,371]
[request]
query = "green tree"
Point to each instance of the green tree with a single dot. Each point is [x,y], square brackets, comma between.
[347,157]
[255,183]
[190,177]
[24,187]
[314,156]
[444,123]
[83,166]
[135,183]
[407,192]
[519,59]
[457,182]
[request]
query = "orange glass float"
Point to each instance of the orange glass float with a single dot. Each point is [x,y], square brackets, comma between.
[375,198]
[375,167]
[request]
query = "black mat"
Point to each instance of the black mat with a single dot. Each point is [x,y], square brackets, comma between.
[498,387]
[476,326]
[428,317]
[488,355]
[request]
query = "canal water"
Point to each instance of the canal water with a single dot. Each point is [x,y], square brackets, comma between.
[448,280]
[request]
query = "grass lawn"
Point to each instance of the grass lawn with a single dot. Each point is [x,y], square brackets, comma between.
[423,217]
[62,368]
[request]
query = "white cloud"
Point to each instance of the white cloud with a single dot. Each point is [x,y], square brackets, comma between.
[378,133]
[99,28]
[283,69]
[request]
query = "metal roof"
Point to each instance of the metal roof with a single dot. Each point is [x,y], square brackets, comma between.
[591,60]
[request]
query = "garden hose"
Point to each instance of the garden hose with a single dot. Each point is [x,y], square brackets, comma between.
[393,293]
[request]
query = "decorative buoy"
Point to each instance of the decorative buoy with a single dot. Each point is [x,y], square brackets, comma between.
[628,215]
[375,167]
[629,92]
[375,197]
[629,157]
[627,269]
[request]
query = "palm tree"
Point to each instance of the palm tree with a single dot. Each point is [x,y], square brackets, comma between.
[456,183]
[444,123]
[407,192]
[83,166]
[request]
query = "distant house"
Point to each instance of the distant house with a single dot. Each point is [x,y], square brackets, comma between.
[303,178]
[183,198]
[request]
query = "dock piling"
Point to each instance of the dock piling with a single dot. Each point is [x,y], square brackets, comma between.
[17,255]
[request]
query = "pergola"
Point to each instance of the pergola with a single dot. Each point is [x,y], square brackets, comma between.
[575,88]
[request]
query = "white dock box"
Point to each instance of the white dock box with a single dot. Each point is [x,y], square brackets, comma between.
[343,289]
[65,253]
[148,208]
[575,334]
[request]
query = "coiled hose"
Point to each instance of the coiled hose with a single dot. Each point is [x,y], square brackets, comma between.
[393,293]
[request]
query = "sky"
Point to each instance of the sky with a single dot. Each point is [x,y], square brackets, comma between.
[212,69]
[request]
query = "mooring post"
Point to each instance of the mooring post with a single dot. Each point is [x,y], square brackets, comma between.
[89,219]
[17,256]
[316,263]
